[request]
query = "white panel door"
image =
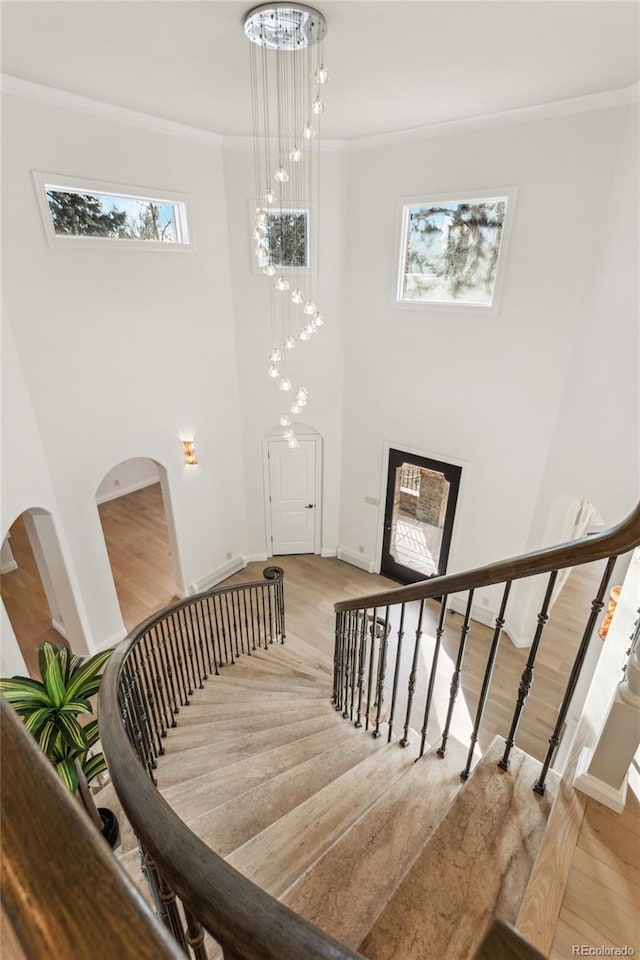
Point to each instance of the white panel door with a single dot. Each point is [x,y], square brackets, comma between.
[292,474]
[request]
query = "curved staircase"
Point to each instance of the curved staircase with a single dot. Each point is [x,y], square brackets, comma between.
[392,857]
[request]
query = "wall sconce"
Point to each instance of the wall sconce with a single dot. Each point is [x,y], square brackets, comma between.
[189,452]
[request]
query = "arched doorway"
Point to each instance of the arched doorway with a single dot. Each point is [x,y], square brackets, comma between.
[137,523]
[34,584]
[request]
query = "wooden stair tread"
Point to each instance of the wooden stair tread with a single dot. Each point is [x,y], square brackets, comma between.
[346,890]
[206,712]
[189,763]
[218,731]
[279,855]
[228,826]
[475,866]
[219,785]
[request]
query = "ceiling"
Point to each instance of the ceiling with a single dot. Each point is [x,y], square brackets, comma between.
[393,65]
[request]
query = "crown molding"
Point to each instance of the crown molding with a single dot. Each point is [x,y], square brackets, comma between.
[623,96]
[105,111]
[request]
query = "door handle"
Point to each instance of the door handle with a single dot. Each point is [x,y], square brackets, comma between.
[310,506]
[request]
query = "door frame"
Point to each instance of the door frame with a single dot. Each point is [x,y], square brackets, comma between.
[316,439]
[427,455]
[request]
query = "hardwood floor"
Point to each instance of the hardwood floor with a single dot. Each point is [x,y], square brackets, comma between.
[136,534]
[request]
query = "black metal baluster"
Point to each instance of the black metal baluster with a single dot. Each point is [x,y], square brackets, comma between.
[172,667]
[231,598]
[217,609]
[183,660]
[198,640]
[486,680]
[160,681]
[596,606]
[354,659]
[527,674]
[455,679]
[263,618]
[346,662]
[203,637]
[382,668]
[142,742]
[412,677]
[372,633]
[361,627]
[337,653]
[433,675]
[212,632]
[224,606]
[282,612]
[271,612]
[195,935]
[197,668]
[396,672]
[171,911]
[248,621]
[151,697]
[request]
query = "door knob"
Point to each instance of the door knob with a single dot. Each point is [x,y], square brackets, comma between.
[310,506]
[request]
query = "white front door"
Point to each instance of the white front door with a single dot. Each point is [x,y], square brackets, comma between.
[292,494]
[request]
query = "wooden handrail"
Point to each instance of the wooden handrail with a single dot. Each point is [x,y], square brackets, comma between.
[619,539]
[243,918]
[63,890]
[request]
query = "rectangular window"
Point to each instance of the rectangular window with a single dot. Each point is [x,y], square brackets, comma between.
[91,212]
[282,239]
[452,250]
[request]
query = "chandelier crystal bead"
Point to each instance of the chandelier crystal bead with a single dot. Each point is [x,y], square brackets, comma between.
[304,334]
[293,442]
[285,384]
[270,197]
[261,215]
[282,284]
[273,371]
[310,308]
[285,420]
[296,155]
[289,343]
[269,270]
[297,296]
[322,74]
[281,175]
[319,319]
[275,355]
[308,132]
[317,106]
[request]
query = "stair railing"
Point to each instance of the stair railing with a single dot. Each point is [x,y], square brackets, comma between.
[148,681]
[369,658]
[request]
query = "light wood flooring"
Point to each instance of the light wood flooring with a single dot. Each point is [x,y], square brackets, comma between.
[602,892]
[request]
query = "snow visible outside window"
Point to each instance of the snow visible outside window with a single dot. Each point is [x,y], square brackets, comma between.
[451,251]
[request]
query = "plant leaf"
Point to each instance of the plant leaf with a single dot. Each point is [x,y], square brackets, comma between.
[63,662]
[76,706]
[47,736]
[92,733]
[26,690]
[34,721]
[71,731]
[94,766]
[54,683]
[66,770]
[84,678]
[46,654]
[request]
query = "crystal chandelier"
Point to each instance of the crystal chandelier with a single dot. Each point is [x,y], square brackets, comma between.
[287,78]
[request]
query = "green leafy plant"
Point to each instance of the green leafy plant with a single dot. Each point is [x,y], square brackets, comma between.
[50,708]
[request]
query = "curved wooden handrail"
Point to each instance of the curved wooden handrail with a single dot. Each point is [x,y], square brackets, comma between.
[243,918]
[619,539]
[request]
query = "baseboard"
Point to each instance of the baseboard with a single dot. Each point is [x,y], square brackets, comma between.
[598,790]
[123,491]
[59,627]
[8,567]
[216,576]
[328,552]
[355,559]
[255,557]
[487,617]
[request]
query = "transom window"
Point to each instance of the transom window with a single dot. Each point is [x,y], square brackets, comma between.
[76,211]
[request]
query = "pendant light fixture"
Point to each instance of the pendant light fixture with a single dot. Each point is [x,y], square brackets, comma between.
[287,80]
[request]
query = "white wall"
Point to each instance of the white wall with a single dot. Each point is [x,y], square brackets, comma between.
[483,390]
[261,403]
[125,351]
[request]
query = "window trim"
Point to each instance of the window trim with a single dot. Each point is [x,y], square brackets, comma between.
[306,208]
[53,181]
[454,196]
